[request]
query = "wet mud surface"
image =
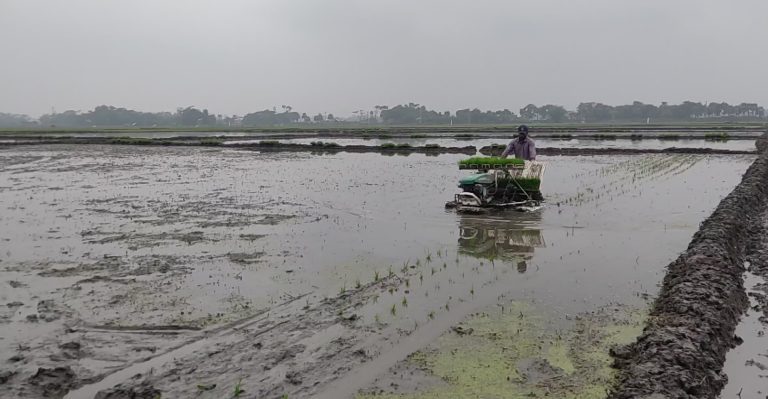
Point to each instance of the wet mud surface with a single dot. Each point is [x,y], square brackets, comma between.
[196,272]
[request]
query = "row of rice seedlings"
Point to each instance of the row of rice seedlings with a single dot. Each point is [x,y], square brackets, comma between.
[422,275]
[491,161]
[632,173]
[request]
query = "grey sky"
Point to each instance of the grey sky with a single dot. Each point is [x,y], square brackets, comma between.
[341,55]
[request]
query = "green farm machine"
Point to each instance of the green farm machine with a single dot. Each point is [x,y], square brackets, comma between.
[499,183]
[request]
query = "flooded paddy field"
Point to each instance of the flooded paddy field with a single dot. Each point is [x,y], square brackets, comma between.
[203,272]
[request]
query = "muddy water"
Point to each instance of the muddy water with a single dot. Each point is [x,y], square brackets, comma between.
[110,241]
[747,364]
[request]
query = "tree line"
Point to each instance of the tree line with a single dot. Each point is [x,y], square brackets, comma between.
[403,114]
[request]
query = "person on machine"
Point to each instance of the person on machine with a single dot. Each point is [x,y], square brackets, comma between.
[522,147]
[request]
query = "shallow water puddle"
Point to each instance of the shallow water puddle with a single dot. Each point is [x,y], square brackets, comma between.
[747,364]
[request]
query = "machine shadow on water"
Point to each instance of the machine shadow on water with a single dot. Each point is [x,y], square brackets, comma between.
[507,236]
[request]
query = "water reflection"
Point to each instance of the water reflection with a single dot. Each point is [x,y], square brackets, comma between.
[509,236]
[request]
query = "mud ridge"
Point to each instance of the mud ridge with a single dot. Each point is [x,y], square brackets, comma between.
[268,145]
[691,325]
[496,150]
[332,148]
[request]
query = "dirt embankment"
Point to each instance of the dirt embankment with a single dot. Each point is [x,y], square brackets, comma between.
[691,325]
[330,147]
[264,145]
[495,150]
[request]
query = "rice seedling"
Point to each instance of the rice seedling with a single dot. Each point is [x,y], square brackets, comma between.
[358,285]
[376,276]
[238,389]
[477,162]
[405,302]
[393,310]
[431,314]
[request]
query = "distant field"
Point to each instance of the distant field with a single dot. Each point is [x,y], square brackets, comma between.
[368,129]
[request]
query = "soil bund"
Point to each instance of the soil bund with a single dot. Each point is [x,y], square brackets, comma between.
[681,352]
[320,147]
[496,151]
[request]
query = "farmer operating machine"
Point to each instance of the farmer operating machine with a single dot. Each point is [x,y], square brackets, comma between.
[499,183]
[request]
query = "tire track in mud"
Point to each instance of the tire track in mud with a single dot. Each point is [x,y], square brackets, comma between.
[292,349]
[692,323]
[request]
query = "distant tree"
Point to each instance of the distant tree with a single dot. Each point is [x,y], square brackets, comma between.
[270,118]
[413,113]
[594,112]
[64,119]
[318,118]
[305,118]
[330,117]
[552,113]
[379,109]
[15,120]
[530,112]
[192,116]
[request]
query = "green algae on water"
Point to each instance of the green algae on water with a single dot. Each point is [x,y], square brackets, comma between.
[518,355]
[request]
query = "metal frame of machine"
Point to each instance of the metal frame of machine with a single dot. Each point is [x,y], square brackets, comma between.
[479,199]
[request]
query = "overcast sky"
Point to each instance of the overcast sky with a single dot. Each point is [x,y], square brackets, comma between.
[342,55]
